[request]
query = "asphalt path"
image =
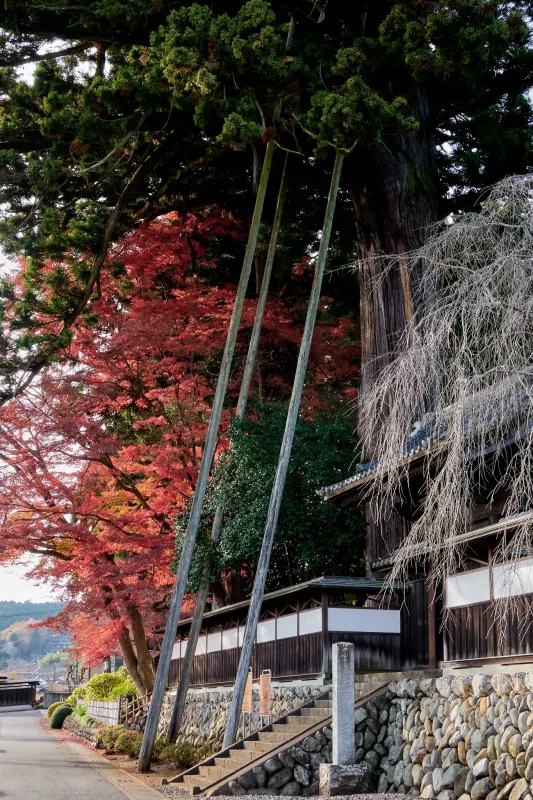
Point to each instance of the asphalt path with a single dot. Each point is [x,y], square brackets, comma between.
[36,765]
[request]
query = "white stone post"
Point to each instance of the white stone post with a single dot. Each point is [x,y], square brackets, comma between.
[343,666]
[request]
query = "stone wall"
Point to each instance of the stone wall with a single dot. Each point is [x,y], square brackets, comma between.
[295,772]
[451,738]
[206,711]
[464,738]
[83,732]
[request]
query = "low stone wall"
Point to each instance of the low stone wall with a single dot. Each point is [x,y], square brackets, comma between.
[86,734]
[295,772]
[206,711]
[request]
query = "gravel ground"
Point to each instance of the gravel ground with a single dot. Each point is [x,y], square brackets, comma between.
[174,790]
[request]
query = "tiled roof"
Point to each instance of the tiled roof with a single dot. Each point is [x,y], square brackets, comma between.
[424,436]
[420,441]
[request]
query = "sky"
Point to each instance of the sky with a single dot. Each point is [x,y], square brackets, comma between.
[15,586]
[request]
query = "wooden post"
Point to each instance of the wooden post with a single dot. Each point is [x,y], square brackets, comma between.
[283,463]
[263,295]
[194,632]
[325,636]
[181,695]
[182,575]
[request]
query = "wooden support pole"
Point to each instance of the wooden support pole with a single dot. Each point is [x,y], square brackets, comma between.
[283,463]
[183,687]
[242,401]
[263,295]
[182,575]
[188,662]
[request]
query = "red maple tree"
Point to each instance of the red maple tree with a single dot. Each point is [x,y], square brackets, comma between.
[101,453]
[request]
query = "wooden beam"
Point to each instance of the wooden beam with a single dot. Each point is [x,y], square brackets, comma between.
[325,636]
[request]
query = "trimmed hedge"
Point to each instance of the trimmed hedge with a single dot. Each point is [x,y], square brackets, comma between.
[59,716]
[52,707]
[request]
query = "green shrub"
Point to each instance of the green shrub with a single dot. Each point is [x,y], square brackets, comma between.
[59,716]
[183,754]
[126,688]
[89,721]
[159,746]
[77,694]
[79,711]
[110,685]
[51,708]
[129,742]
[109,735]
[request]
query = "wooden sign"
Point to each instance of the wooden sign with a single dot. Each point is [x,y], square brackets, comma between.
[264,693]
[247,699]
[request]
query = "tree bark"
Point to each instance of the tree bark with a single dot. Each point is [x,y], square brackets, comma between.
[145,664]
[395,195]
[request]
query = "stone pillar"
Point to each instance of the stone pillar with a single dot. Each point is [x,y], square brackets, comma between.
[343,668]
[344,776]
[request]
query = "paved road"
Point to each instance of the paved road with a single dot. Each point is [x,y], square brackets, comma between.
[35,765]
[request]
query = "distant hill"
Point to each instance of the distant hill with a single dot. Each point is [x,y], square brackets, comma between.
[11,611]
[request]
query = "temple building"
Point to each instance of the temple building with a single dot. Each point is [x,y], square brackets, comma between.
[454,626]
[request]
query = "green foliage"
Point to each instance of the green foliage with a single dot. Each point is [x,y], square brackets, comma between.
[77,694]
[126,687]
[60,657]
[129,742]
[79,711]
[59,716]
[313,538]
[53,706]
[182,754]
[100,687]
[109,734]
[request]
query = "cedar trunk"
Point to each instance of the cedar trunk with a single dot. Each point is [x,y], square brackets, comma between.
[395,192]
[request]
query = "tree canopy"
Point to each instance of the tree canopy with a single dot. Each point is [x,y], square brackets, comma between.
[144,107]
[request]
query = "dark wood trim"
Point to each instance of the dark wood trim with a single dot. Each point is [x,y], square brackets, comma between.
[325,638]
[432,627]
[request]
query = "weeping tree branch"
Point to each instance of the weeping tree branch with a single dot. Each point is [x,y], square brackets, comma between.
[463,375]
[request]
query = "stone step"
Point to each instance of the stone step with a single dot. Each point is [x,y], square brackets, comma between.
[310,712]
[273,736]
[305,722]
[200,781]
[257,746]
[238,755]
[282,727]
[215,773]
[323,703]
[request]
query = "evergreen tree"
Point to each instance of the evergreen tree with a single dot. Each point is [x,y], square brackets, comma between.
[312,538]
[143,107]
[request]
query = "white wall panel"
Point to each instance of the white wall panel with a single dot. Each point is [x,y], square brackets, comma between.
[214,642]
[467,588]
[287,626]
[201,646]
[364,620]
[266,630]
[512,580]
[310,621]
[230,639]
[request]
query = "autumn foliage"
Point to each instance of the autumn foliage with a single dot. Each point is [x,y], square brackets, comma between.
[101,453]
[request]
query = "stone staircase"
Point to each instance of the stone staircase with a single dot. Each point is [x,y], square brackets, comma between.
[257,748]
[212,776]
